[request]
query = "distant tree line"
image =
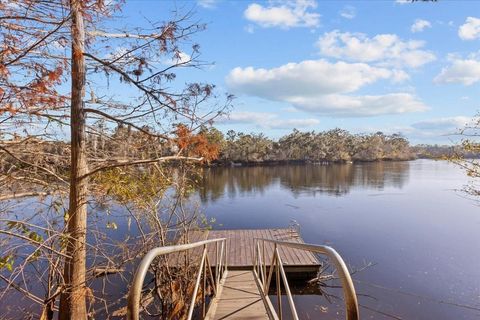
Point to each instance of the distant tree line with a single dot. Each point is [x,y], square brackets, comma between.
[123,143]
[335,145]
[426,151]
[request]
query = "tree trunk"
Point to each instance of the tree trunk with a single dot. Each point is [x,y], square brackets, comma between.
[73,300]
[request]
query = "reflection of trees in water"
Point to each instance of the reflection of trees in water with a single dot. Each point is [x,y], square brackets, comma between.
[379,175]
[234,181]
[335,179]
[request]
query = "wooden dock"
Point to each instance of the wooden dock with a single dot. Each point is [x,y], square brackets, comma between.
[241,296]
[239,284]
[240,245]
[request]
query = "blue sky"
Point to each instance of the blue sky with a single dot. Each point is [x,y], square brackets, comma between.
[364,66]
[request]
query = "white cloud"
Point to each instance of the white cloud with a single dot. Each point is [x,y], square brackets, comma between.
[360,106]
[322,87]
[310,77]
[285,15]
[181,58]
[348,12]
[293,123]
[438,130]
[403,1]
[399,75]
[443,124]
[248,117]
[208,4]
[268,120]
[119,52]
[419,25]
[470,30]
[465,71]
[383,49]
[290,109]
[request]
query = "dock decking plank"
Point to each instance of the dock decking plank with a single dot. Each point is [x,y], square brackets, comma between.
[240,249]
[240,299]
[241,245]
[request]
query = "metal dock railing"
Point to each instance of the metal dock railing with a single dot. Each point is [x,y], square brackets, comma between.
[240,294]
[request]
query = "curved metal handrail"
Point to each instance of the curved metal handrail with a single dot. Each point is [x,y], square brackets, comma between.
[351,302]
[134,294]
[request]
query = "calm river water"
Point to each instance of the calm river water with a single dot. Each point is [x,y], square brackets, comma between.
[408,218]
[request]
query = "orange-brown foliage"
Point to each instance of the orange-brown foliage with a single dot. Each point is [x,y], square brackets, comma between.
[195,144]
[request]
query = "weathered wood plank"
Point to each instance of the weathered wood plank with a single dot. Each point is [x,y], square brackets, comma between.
[240,298]
[241,245]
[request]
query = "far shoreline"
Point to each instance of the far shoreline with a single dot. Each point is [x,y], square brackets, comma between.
[272,163]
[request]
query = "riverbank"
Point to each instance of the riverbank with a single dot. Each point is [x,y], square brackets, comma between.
[296,162]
